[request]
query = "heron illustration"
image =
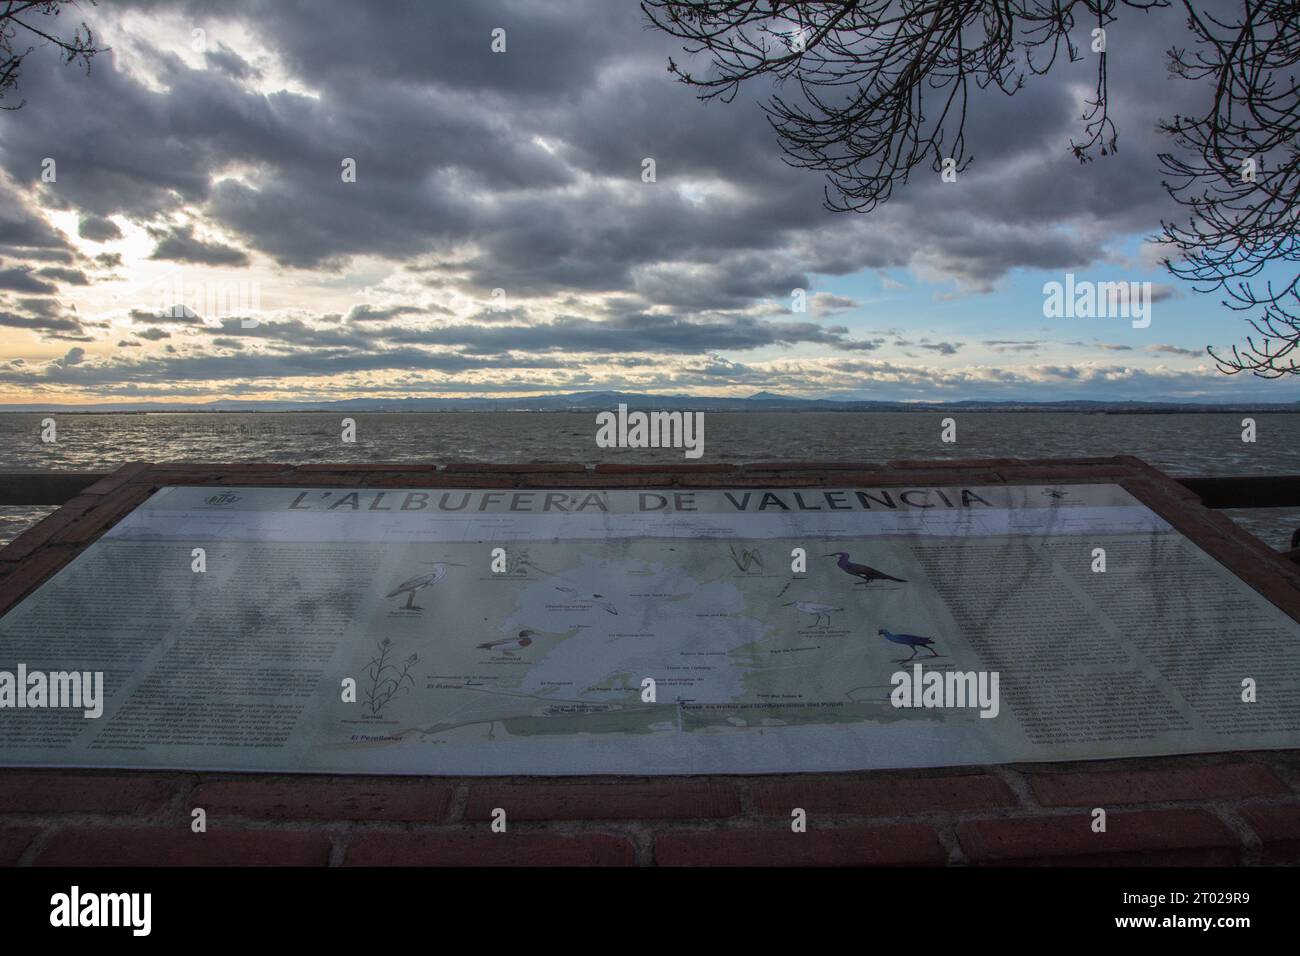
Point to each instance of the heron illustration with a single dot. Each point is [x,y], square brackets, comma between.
[909,640]
[863,572]
[422,581]
[817,610]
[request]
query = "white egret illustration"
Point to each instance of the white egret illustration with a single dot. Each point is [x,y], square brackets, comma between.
[410,586]
[818,611]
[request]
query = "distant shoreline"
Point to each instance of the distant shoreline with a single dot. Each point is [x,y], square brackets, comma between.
[1018,408]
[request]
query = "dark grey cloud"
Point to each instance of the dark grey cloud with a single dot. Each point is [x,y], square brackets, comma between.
[1013,345]
[863,345]
[1175,350]
[368,313]
[25,230]
[41,306]
[227,61]
[98,228]
[179,367]
[179,244]
[133,150]
[41,323]
[48,318]
[629,333]
[826,303]
[24,279]
[294,334]
[943,348]
[177,315]
[430,133]
[450,142]
[521,171]
[70,276]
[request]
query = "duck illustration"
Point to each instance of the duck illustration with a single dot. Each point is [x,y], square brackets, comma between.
[508,645]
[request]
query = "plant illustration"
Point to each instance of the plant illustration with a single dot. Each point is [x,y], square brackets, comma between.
[750,556]
[520,562]
[387,679]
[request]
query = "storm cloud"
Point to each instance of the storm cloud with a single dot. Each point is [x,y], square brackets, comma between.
[484,218]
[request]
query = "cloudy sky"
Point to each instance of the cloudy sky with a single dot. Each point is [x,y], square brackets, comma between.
[198,240]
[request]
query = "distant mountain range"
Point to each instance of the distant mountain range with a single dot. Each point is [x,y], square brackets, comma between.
[594,401]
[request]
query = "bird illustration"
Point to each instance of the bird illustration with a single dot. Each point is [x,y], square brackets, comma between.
[818,610]
[909,640]
[422,581]
[1054,493]
[867,574]
[598,600]
[508,645]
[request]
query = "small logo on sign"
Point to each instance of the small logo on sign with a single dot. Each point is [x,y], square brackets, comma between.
[225,498]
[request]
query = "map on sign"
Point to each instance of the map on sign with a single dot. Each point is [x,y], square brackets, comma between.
[644,632]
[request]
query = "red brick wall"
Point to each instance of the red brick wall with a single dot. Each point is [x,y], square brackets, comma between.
[1197,810]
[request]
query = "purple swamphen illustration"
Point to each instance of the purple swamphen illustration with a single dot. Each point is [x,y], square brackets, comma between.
[863,572]
[910,640]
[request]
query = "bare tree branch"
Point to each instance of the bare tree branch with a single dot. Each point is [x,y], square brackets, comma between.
[1237,173]
[27,22]
[878,87]
[867,90]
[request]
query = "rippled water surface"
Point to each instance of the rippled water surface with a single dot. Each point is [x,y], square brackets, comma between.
[1182,444]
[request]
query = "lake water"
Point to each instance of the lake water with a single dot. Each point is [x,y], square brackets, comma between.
[1181,444]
